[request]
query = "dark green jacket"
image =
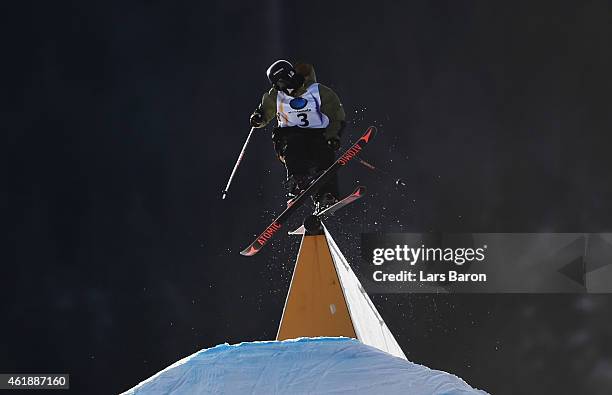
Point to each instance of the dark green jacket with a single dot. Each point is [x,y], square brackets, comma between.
[330,103]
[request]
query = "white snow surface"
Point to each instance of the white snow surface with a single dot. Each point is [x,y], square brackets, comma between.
[323,365]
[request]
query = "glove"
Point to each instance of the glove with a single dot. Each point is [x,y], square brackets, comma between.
[257,119]
[333,143]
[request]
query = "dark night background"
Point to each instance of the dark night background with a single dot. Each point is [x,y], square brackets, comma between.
[122,122]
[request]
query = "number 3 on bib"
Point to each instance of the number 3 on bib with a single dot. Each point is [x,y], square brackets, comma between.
[304,118]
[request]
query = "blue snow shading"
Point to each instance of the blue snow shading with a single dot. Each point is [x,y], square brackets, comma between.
[323,365]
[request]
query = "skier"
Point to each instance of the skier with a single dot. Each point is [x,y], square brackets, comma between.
[310,121]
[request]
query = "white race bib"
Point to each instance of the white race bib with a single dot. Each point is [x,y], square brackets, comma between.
[303,111]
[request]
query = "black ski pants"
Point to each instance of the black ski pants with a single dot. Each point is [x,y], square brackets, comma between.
[306,154]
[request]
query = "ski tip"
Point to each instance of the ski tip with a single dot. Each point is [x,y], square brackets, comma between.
[249,251]
[361,190]
[299,231]
[371,132]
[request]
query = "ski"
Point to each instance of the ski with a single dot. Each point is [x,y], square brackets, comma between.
[345,158]
[358,193]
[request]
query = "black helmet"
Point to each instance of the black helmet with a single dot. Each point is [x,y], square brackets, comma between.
[283,76]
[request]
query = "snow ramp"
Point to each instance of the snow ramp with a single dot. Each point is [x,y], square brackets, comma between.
[323,365]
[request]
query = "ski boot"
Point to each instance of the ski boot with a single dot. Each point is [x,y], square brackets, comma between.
[295,186]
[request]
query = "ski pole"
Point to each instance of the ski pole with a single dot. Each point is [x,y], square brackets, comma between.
[398,181]
[229,182]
